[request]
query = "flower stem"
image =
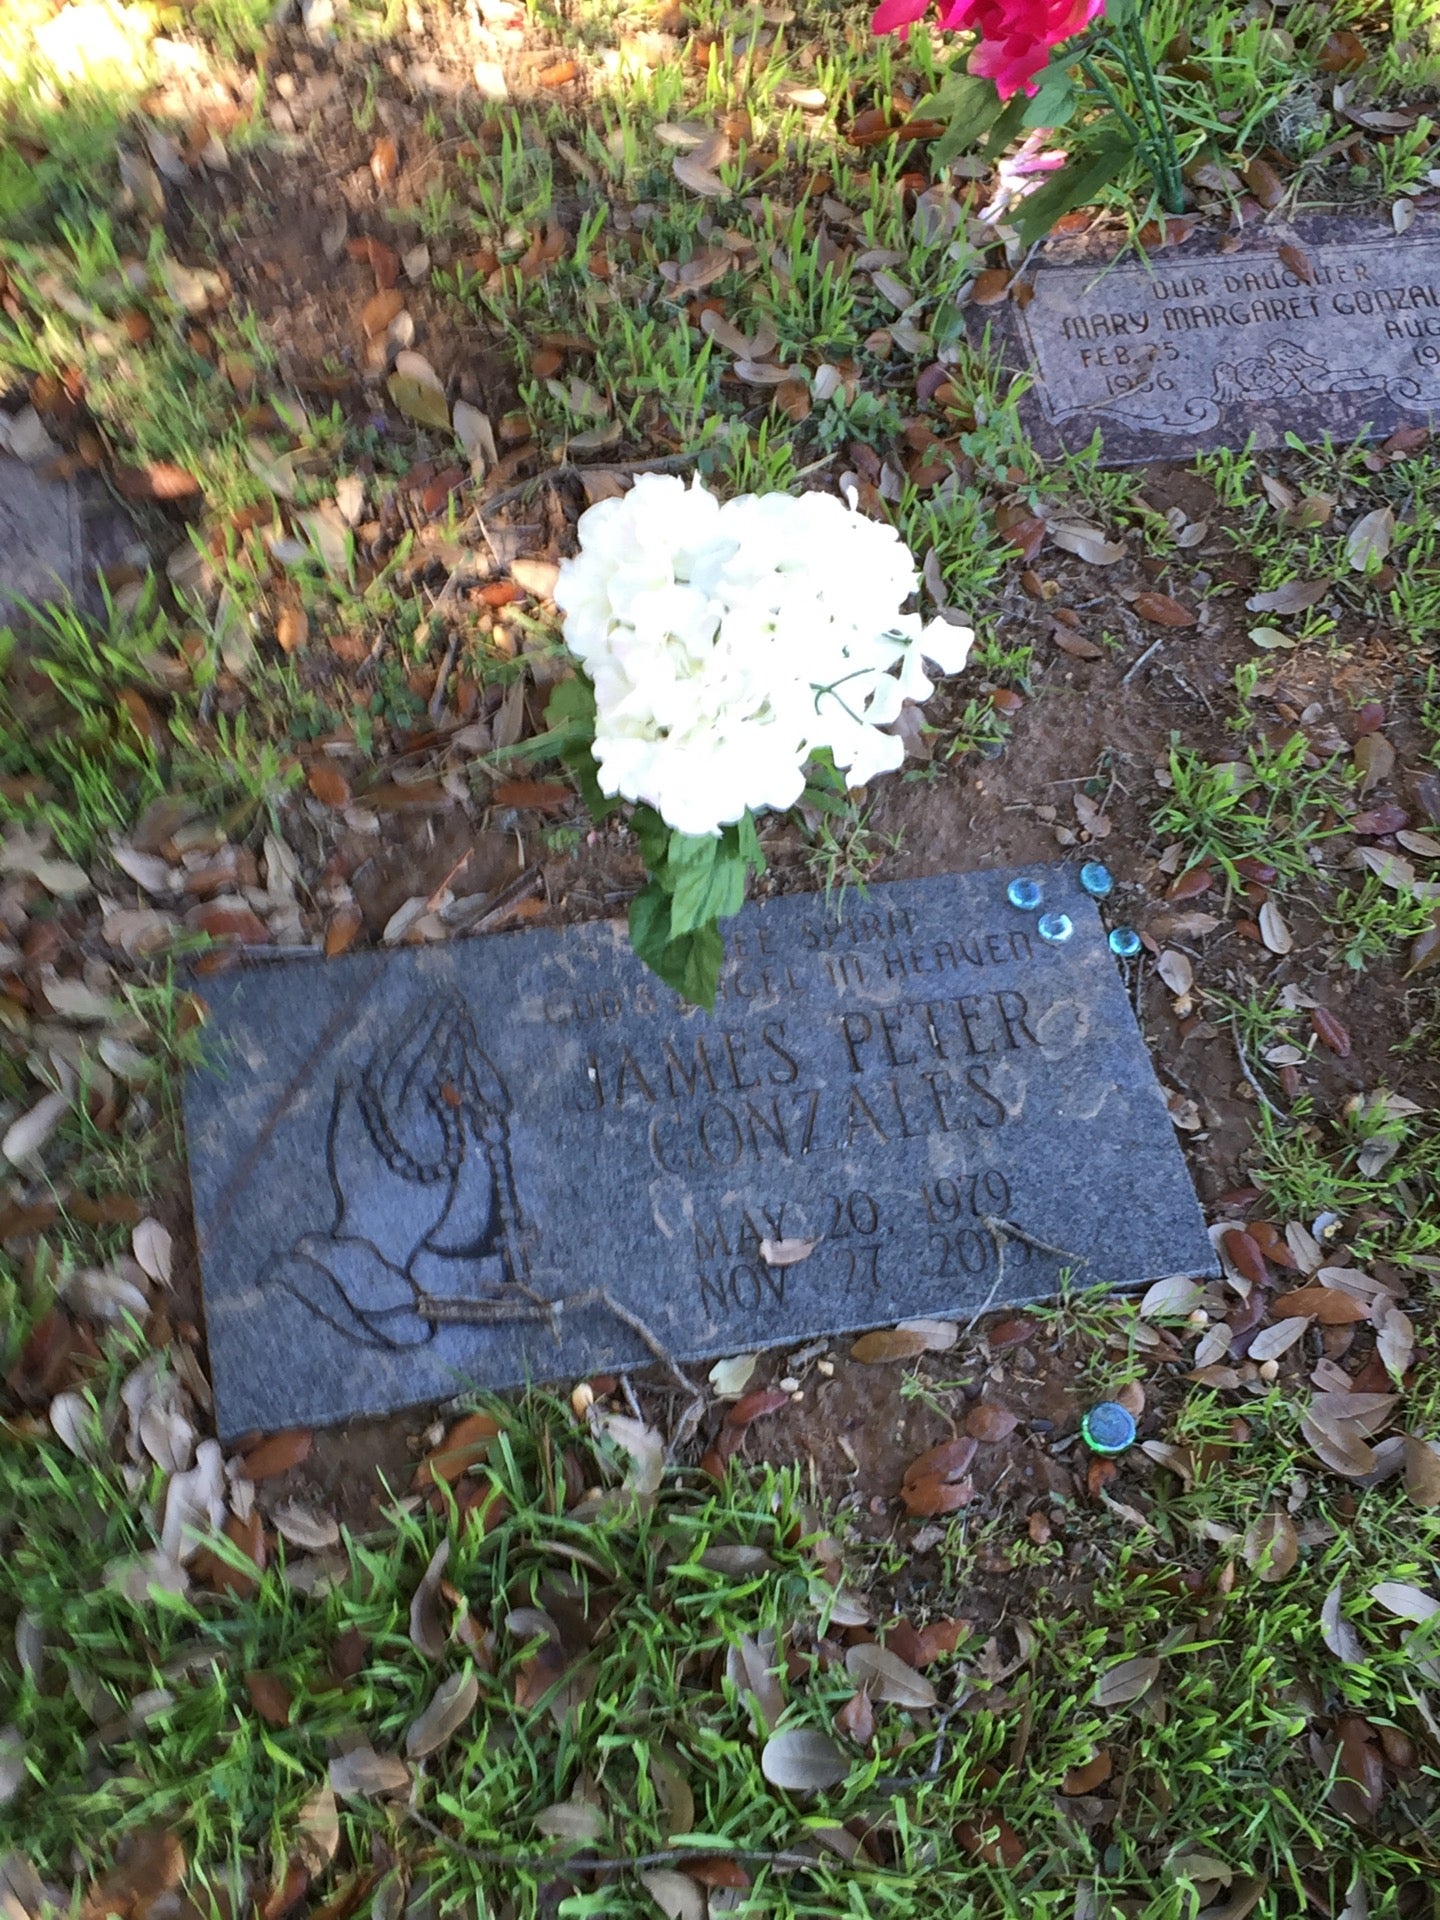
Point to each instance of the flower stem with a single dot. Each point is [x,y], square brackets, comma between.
[1169,179]
[1153,140]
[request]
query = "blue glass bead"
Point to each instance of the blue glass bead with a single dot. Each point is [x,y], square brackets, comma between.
[1096,879]
[1108,1428]
[1025,894]
[1054,927]
[1124,941]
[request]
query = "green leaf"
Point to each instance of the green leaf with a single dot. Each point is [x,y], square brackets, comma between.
[688,962]
[654,837]
[650,924]
[1054,100]
[692,965]
[419,401]
[747,842]
[570,736]
[706,890]
[1007,127]
[970,105]
[1074,186]
[571,708]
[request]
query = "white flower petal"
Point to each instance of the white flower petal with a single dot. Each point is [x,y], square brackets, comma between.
[727,643]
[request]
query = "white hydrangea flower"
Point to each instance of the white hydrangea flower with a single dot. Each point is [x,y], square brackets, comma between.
[728,643]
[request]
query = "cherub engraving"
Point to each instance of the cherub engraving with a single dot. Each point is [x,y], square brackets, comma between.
[426,1216]
[1285,371]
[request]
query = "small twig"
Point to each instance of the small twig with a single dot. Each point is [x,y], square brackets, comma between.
[437,698]
[630,1400]
[432,905]
[569,470]
[482,1313]
[688,1420]
[482,913]
[1000,1231]
[1009,1230]
[1260,1093]
[620,1863]
[902,1782]
[491,1313]
[989,1300]
[1130,672]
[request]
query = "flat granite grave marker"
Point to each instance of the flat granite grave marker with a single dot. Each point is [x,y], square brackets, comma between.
[1198,347]
[40,538]
[954,1110]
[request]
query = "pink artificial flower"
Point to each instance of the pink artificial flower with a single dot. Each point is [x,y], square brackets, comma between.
[898,16]
[1016,36]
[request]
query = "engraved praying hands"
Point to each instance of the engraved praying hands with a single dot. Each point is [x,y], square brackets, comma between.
[418,1156]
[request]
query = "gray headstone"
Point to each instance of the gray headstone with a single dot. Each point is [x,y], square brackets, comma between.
[40,538]
[527,1116]
[1199,347]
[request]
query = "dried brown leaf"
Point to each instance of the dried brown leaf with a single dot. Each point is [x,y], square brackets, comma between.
[427,1626]
[1244,1256]
[1293,597]
[892,1343]
[1338,1446]
[754,1406]
[1374,758]
[1272,1546]
[990,1423]
[1360,1774]
[328,784]
[451,1706]
[363,1771]
[1163,610]
[277,1454]
[1127,1680]
[948,1461]
[270,1696]
[991,286]
[317,1830]
[1422,1471]
[1274,930]
[384,161]
[885,1676]
[856,1719]
[466,1445]
[1330,1031]
[697,177]
[1089,543]
[675,1894]
[1085,1779]
[1298,261]
[1176,971]
[1329,1305]
[803,1760]
[1369,539]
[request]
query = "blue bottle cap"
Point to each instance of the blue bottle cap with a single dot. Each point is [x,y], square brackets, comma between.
[1025,894]
[1108,1428]
[1124,941]
[1055,927]
[1096,878]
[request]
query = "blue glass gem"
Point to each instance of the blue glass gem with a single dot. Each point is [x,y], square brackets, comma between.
[1054,927]
[1124,941]
[1025,894]
[1108,1428]
[1096,878]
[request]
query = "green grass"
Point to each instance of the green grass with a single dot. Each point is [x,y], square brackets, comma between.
[1225,1758]
[1266,805]
[1216,1759]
